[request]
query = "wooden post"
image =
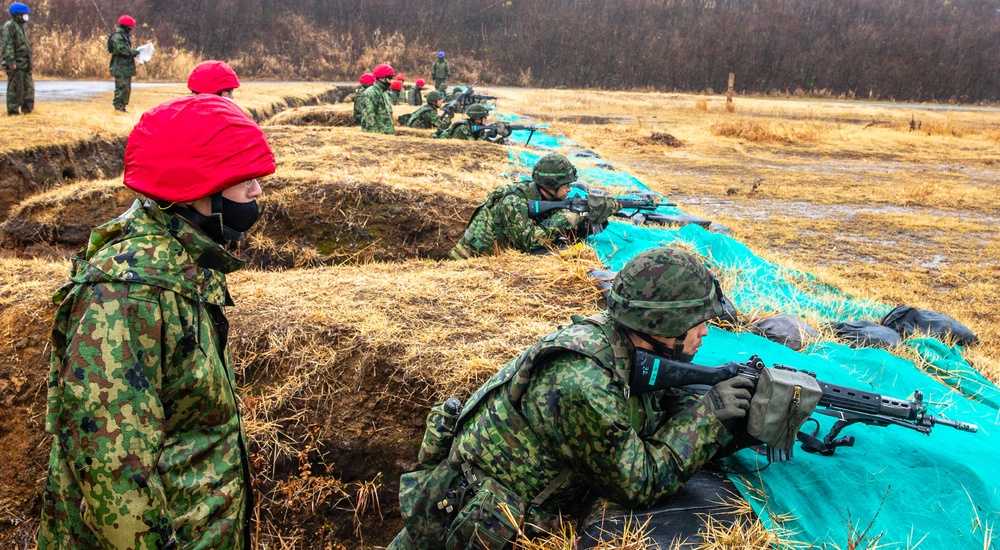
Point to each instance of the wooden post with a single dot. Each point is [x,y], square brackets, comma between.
[729,94]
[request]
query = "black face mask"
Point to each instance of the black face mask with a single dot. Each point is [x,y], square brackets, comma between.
[238,216]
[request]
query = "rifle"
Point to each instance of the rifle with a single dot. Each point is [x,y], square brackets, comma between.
[456,104]
[492,130]
[848,405]
[481,98]
[579,205]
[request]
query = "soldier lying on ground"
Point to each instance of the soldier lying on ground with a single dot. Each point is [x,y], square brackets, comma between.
[426,116]
[463,129]
[557,426]
[502,220]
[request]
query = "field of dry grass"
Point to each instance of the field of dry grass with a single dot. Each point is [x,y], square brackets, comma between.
[348,327]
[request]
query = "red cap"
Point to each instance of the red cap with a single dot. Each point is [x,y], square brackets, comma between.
[420,83]
[193,147]
[367,79]
[212,77]
[396,85]
[383,70]
[126,20]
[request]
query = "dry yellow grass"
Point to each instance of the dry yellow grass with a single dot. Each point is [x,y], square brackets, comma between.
[63,122]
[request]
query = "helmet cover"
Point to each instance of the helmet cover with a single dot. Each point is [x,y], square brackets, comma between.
[553,171]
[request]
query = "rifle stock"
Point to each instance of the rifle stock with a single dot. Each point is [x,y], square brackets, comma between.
[848,405]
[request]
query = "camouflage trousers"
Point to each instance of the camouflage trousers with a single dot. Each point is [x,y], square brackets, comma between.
[20,92]
[123,92]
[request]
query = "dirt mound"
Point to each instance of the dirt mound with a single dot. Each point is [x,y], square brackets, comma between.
[339,366]
[323,115]
[25,173]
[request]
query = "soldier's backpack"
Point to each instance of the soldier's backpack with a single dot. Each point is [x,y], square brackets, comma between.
[403,119]
[111,45]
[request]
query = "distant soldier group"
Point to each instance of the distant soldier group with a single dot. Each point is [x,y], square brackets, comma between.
[17,64]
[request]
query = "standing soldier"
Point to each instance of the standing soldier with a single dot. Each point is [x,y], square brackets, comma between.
[426,116]
[17,61]
[440,71]
[558,423]
[376,105]
[149,449]
[396,91]
[366,82]
[122,61]
[415,97]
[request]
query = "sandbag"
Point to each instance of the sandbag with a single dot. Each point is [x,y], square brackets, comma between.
[866,334]
[679,517]
[787,330]
[907,320]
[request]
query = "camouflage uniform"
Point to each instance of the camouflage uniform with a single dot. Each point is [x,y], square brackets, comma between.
[356,98]
[17,51]
[414,96]
[426,117]
[557,423]
[502,222]
[376,110]
[440,72]
[463,130]
[122,66]
[148,442]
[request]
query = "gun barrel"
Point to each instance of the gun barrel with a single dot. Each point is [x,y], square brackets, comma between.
[961,426]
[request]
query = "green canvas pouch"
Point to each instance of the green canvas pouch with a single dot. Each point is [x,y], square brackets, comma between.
[490,518]
[783,401]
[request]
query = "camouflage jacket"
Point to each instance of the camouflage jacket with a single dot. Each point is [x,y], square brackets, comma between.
[414,96]
[441,69]
[426,117]
[463,130]
[148,442]
[16,49]
[376,110]
[564,404]
[356,98]
[502,222]
[122,54]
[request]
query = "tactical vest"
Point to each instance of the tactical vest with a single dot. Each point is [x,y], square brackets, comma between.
[526,470]
[415,115]
[475,241]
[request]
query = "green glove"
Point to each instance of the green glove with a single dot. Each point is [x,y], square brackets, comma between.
[601,207]
[730,398]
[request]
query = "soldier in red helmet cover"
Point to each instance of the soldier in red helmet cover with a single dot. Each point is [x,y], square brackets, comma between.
[213,77]
[149,449]
[122,61]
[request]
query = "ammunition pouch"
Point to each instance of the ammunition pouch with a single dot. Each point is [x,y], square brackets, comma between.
[490,517]
[783,401]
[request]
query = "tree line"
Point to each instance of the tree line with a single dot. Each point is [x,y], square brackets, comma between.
[943,50]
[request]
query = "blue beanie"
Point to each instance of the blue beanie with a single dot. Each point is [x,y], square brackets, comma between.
[440,54]
[18,8]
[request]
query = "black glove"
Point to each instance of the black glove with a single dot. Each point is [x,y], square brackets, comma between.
[730,398]
[601,207]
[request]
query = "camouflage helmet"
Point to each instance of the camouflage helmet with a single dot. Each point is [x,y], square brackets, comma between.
[433,96]
[664,292]
[477,110]
[553,171]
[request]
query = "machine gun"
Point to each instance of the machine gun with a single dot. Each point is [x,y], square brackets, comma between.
[499,130]
[481,98]
[457,105]
[579,205]
[848,405]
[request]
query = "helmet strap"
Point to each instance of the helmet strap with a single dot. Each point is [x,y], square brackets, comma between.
[677,352]
[212,225]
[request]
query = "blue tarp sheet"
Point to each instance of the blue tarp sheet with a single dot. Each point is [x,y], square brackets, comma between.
[932,492]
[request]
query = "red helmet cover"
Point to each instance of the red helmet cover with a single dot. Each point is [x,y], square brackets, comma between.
[212,77]
[193,147]
[126,20]
[367,79]
[420,83]
[383,70]
[396,85]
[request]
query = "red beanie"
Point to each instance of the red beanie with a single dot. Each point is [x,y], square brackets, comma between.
[396,85]
[212,77]
[126,20]
[193,147]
